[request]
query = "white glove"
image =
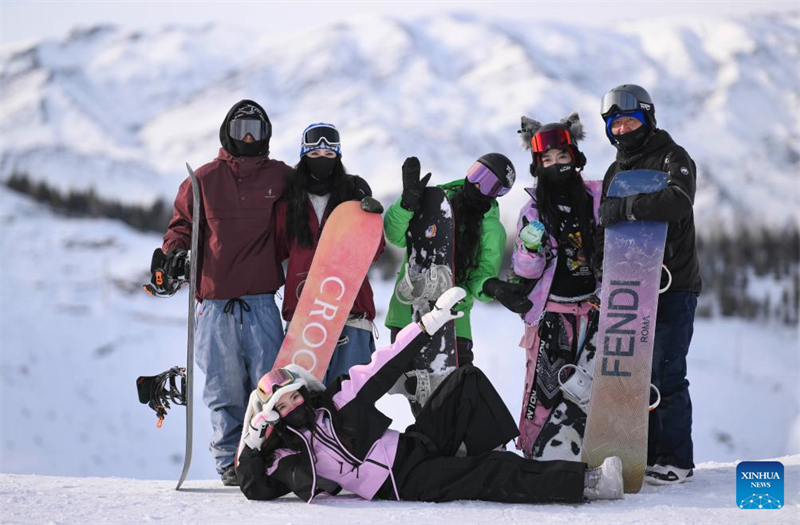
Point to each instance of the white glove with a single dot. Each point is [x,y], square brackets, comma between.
[442,312]
[257,432]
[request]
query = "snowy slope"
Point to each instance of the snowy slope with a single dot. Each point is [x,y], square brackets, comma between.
[121,112]
[76,330]
[710,499]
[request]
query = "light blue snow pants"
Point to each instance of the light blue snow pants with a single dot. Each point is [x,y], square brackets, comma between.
[236,342]
[355,348]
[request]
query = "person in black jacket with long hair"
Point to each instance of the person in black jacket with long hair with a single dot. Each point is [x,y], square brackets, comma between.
[629,114]
[319,183]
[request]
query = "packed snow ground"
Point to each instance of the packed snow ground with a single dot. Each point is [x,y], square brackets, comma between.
[711,499]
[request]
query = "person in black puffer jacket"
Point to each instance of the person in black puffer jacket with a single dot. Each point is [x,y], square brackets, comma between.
[629,114]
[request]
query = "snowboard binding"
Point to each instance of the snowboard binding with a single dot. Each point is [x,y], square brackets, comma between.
[153,391]
[168,275]
[424,286]
[417,385]
[578,388]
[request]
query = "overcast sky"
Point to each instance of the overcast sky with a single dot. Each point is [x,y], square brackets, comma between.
[24,20]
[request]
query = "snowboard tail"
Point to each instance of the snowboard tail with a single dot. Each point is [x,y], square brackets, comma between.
[617,423]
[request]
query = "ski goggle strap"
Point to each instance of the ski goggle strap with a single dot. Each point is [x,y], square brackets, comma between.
[619,101]
[551,139]
[487,181]
[239,128]
[273,381]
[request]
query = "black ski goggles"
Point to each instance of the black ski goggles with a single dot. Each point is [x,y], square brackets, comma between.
[241,127]
[618,101]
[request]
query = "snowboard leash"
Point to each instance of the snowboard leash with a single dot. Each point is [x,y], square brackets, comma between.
[153,391]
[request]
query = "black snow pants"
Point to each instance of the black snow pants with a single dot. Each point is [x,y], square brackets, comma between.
[670,432]
[467,409]
[464,354]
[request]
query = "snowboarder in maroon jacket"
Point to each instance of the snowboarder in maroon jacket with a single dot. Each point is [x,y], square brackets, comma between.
[238,326]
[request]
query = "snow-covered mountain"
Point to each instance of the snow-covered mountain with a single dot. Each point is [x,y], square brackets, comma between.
[122,111]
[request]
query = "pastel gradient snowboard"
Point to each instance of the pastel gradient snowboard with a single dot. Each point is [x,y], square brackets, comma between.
[618,415]
[347,247]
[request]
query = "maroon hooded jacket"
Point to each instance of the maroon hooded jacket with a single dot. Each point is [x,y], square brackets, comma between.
[300,257]
[237,235]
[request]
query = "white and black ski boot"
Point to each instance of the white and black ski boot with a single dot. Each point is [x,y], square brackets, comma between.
[668,475]
[605,481]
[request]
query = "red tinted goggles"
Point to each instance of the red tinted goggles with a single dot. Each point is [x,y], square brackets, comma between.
[551,139]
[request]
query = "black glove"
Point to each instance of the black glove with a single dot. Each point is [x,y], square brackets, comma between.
[412,185]
[513,296]
[614,210]
[360,188]
[371,205]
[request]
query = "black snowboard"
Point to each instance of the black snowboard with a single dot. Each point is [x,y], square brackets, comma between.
[431,241]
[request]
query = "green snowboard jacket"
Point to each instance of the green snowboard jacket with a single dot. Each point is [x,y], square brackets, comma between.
[490,258]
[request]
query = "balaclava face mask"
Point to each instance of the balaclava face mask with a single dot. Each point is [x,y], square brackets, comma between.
[255,148]
[320,174]
[556,174]
[321,168]
[630,142]
[298,418]
[475,198]
[252,149]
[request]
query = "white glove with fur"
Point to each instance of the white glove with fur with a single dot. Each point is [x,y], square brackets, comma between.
[442,312]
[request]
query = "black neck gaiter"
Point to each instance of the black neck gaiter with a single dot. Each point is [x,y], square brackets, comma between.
[630,143]
[475,198]
[320,180]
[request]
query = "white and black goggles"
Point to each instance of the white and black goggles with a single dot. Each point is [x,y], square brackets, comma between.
[314,136]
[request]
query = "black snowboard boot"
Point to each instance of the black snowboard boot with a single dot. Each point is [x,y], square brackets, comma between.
[229,478]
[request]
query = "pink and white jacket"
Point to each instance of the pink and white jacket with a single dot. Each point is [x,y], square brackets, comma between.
[352,446]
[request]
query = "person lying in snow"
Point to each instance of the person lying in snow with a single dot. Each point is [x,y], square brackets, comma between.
[309,439]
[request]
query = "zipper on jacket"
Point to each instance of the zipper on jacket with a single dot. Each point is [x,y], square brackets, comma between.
[313,466]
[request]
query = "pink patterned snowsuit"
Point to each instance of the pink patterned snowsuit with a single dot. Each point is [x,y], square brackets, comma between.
[530,265]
